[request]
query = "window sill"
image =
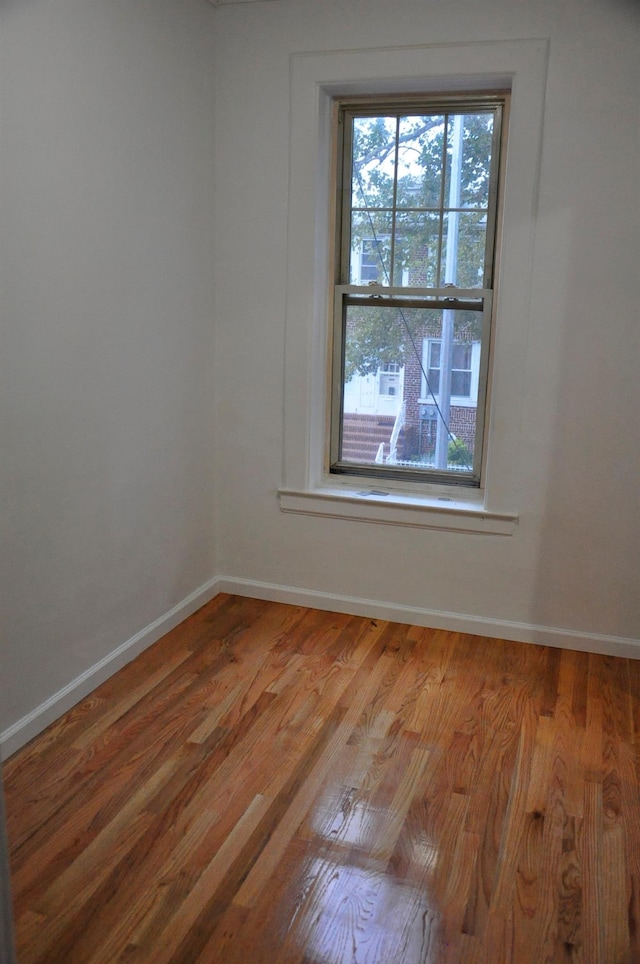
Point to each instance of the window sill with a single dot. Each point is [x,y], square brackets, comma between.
[392,507]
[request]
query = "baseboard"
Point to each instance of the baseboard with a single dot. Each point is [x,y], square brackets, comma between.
[42,716]
[625,647]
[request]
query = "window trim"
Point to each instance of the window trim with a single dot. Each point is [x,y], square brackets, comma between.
[316,79]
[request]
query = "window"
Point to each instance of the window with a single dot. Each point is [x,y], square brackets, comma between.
[416,227]
[320,81]
[461,369]
[370,268]
[390,379]
[368,265]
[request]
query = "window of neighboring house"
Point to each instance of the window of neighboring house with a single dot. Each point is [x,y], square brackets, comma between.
[390,379]
[461,369]
[369,264]
[416,228]
[370,267]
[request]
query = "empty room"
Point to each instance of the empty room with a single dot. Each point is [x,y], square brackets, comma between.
[320,516]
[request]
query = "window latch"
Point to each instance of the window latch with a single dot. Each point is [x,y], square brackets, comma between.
[450,284]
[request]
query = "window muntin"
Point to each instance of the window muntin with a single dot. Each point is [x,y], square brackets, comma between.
[417,216]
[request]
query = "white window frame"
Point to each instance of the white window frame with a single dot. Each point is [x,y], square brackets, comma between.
[317,79]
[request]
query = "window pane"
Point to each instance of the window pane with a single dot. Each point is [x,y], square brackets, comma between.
[430,385]
[476,160]
[472,238]
[462,356]
[371,261]
[370,247]
[380,341]
[461,384]
[474,147]
[420,161]
[416,249]
[373,162]
[464,249]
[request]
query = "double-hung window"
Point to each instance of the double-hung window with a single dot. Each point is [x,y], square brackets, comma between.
[414,275]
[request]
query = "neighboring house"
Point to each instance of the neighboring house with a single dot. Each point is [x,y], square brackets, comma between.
[379,394]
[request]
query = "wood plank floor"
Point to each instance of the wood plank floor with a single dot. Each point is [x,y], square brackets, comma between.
[270,783]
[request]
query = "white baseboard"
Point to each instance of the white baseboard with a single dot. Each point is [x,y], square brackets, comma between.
[42,716]
[626,647]
[33,723]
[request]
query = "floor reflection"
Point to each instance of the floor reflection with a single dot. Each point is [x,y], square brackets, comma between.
[364,915]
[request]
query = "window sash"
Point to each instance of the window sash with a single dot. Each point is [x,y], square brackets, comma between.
[399,293]
[350,109]
[480,300]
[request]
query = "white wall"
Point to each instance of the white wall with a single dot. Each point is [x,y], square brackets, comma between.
[572,565]
[107,319]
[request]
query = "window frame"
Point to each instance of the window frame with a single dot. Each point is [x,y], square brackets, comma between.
[345,112]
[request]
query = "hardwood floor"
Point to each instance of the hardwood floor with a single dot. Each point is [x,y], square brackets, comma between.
[275,784]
